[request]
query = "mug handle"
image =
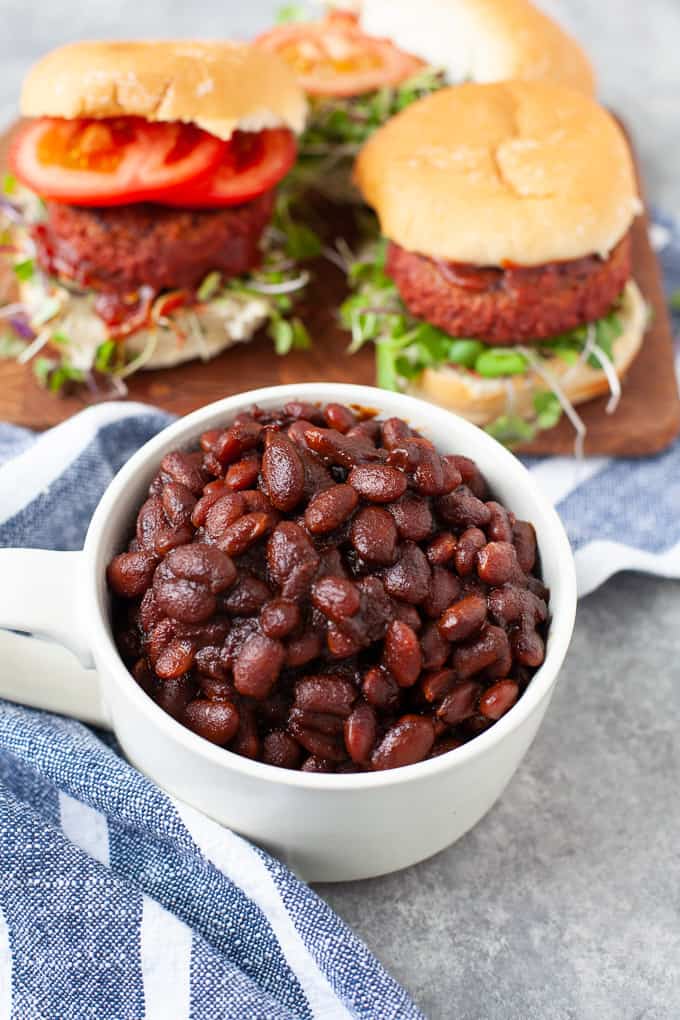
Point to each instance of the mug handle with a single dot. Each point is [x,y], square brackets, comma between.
[39,596]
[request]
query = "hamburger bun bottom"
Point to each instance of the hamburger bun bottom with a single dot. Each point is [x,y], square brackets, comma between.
[482,401]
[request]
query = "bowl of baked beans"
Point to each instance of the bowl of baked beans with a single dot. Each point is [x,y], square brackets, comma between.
[329,616]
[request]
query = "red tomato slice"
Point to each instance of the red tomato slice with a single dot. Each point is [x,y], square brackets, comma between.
[111,162]
[335,58]
[253,164]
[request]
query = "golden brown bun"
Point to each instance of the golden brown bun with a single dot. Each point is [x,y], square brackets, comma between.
[218,86]
[521,172]
[482,40]
[481,401]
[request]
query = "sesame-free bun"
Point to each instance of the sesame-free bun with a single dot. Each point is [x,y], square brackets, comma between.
[519,172]
[482,40]
[219,86]
[481,400]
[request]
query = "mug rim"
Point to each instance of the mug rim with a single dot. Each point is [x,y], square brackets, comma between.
[105,651]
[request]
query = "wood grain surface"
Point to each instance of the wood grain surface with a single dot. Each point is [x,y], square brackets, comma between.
[647,419]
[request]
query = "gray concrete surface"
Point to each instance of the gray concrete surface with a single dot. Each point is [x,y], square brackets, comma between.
[564,903]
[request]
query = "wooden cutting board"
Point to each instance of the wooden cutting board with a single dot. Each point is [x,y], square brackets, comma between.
[647,419]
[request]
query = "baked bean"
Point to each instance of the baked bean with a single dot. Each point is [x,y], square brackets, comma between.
[247,740]
[178,503]
[490,647]
[170,538]
[441,549]
[208,662]
[460,703]
[173,697]
[322,722]
[245,532]
[292,559]
[328,694]
[434,476]
[462,509]
[408,614]
[336,598]
[374,535]
[403,656]
[302,409]
[360,731]
[467,550]
[246,597]
[444,589]
[500,525]
[282,472]
[497,563]
[321,745]
[407,742]
[280,749]
[464,618]
[329,509]
[151,519]
[409,578]
[378,483]
[279,617]
[186,582]
[528,648]
[524,538]
[469,473]
[369,428]
[395,432]
[131,573]
[230,445]
[345,451]
[216,721]
[413,517]
[380,689]
[303,649]
[321,590]
[184,469]
[224,511]
[258,665]
[175,659]
[498,699]
[243,474]
[436,685]
[435,649]
[339,417]
[207,500]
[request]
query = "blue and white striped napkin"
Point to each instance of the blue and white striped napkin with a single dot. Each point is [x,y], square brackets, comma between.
[117,903]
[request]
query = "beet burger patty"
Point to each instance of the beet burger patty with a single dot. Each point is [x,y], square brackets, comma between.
[502,287]
[123,248]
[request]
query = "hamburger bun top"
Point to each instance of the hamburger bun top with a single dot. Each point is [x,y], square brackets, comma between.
[482,40]
[218,86]
[521,172]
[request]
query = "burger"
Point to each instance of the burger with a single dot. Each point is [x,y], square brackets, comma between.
[502,289]
[141,200]
[361,67]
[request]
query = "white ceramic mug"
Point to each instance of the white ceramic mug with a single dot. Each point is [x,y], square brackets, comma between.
[326,827]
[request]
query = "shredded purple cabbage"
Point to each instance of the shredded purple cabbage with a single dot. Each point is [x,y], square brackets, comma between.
[21,327]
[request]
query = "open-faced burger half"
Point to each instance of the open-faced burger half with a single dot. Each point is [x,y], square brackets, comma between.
[360,67]
[156,165]
[503,290]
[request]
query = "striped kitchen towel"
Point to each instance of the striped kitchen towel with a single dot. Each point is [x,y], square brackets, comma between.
[116,902]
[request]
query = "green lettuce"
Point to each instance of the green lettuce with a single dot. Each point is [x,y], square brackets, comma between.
[405,346]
